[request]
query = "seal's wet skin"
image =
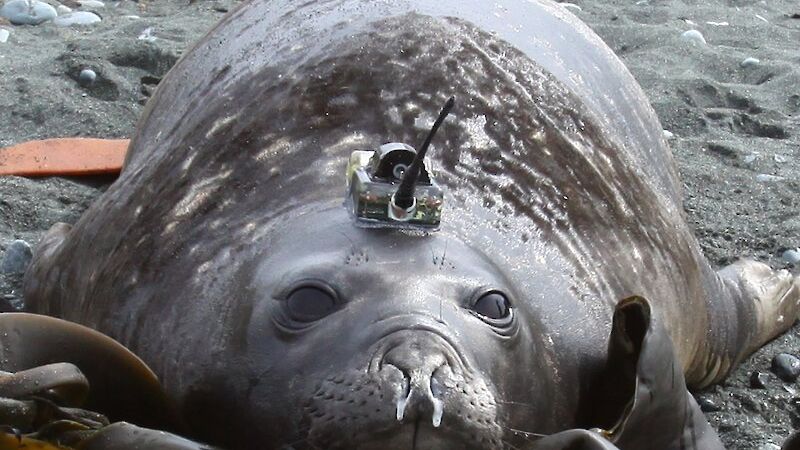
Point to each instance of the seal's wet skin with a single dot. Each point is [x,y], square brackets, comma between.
[428,322]
[562,301]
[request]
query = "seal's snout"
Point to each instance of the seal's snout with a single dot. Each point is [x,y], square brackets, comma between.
[417,387]
[425,377]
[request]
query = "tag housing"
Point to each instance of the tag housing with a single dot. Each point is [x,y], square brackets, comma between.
[373,177]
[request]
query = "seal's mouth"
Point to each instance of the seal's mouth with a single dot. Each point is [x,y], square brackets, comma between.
[420,436]
[413,436]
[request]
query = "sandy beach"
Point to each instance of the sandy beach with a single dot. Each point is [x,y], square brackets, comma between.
[722,75]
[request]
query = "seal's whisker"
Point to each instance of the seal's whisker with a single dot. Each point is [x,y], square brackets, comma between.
[529,405]
[526,434]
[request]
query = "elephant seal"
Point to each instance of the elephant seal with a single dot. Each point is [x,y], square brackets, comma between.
[563,300]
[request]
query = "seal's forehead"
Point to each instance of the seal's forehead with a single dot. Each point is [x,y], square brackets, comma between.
[329,238]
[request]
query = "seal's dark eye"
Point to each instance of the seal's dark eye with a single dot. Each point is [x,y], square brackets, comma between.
[493,305]
[310,303]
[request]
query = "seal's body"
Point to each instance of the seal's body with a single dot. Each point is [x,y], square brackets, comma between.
[223,256]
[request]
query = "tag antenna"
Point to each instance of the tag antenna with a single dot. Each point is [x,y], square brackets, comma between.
[404,197]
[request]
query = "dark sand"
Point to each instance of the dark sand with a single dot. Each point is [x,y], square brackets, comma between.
[736,133]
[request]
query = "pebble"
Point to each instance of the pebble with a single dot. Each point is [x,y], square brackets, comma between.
[750,159]
[792,256]
[749,62]
[707,405]
[4,35]
[63,9]
[786,367]
[18,256]
[19,12]
[752,405]
[726,426]
[694,37]
[91,4]
[147,35]
[668,134]
[765,178]
[77,18]
[87,77]
[758,380]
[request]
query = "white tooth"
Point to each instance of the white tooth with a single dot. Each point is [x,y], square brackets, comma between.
[438,411]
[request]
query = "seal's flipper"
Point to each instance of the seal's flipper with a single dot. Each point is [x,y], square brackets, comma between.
[749,304]
[642,398]
[120,384]
[774,293]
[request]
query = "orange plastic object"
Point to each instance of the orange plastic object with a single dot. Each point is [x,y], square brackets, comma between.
[10,442]
[64,156]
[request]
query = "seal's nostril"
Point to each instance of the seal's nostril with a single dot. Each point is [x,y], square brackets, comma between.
[402,370]
[415,360]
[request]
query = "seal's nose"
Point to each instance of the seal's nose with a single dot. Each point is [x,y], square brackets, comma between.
[426,374]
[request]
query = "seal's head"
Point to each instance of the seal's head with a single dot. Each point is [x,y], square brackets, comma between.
[384,335]
[388,338]
[388,335]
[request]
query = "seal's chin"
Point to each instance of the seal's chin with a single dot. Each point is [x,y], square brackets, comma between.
[368,432]
[416,436]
